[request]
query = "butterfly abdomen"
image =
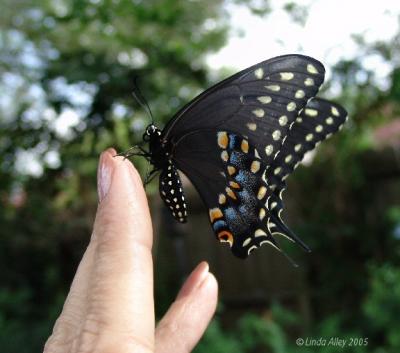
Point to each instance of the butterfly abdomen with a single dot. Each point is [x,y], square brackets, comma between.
[171,192]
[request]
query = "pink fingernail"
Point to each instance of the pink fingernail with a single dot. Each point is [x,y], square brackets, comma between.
[195,279]
[104,173]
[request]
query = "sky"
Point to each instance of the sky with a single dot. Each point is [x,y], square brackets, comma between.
[326,35]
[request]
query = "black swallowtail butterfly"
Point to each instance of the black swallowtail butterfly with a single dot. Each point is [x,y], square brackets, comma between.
[238,141]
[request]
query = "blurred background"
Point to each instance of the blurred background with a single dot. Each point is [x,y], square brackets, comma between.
[67,71]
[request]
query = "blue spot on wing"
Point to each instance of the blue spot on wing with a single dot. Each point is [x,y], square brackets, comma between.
[242,177]
[230,214]
[233,140]
[219,224]
[235,158]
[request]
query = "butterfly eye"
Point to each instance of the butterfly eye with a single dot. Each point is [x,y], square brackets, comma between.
[146,136]
[150,131]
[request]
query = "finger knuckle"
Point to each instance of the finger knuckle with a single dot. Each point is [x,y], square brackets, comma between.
[98,336]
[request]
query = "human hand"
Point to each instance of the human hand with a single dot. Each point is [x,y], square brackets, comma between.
[110,306]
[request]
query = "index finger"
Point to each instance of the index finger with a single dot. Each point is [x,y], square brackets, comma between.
[121,290]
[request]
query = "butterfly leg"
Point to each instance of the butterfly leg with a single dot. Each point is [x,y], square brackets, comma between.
[150,176]
[130,152]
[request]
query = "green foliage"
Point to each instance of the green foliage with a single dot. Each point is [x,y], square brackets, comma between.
[299,13]
[252,333]
[382,306]
[68,68]
[23,326]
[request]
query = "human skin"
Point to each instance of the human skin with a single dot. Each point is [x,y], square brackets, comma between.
[110,305]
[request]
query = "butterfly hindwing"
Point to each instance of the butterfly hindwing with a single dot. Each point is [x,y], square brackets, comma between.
[230,179]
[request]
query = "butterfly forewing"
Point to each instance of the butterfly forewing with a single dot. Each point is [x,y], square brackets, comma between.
[253,102]
[317,122]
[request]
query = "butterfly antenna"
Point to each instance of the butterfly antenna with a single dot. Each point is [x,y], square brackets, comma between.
[137,94]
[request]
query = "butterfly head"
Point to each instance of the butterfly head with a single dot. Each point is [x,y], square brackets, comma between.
[152,132]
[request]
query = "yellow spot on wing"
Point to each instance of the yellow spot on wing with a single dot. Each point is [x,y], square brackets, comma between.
[221,199]
[223,139]
[224,156]
[286,76]
[269,149]
[261,214]
[259,113]
[255,166]
[261,192]
[277,170]
[231,170]
[230,193]
[299,94]
[335,112]
[274,88]
[329,120]
[311,112]
[246,242]
[309,81]
[283,120]
[312,69]
[259,73]
[252,126]
[265,99]
[276,135]
[259,233]
[288,158]
[309,137]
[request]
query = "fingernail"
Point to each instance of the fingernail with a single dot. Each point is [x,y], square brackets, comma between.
[104,173]
[195,279]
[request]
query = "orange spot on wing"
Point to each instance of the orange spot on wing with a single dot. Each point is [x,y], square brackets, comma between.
[215,213]
[225,237]
[245,146]
[234,185]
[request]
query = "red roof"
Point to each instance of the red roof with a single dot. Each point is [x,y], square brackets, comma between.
[388,134]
